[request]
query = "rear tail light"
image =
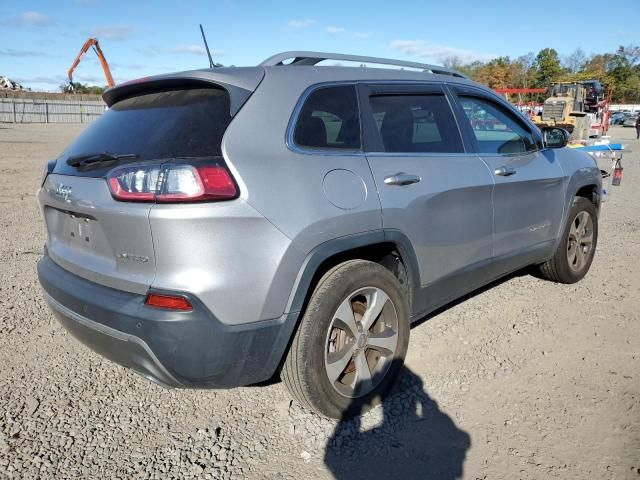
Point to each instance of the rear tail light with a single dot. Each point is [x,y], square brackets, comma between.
[48,168]
[168,302]
[170,183]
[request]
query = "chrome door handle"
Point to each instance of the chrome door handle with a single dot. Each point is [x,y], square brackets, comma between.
[401,178]
[505,171]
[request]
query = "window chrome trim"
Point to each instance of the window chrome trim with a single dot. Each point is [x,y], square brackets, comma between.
[421,154]
[331,152]
[293,121]
[291,144]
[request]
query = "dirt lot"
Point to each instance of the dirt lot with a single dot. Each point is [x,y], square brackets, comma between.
[526,379]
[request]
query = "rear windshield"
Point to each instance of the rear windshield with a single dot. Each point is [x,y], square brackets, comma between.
[158,125]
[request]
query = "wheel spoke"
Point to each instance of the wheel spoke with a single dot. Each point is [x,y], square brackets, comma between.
[583,218]
[385,342]
[573,232]
[579,259]
[376,301]
[362,380]
[338,361]
[344,316]
[587,239]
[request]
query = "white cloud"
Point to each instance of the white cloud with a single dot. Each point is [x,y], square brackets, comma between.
[34,19]
[192,49]
[127,66]
[52,80]
[112,32]
[335,29]
[195,49]
[88,78]
[438,53]
[300,23]
[10,52]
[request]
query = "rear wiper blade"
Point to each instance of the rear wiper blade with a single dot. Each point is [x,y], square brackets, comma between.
[86,159]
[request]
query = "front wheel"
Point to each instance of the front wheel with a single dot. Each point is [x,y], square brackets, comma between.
[351,342]
[574,254]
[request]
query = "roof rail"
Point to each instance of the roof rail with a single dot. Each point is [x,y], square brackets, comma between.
[313,58]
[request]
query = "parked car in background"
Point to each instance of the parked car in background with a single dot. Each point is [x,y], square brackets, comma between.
[618,118]
[630,120]
[220,227]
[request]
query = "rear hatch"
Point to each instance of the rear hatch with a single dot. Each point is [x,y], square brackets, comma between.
[90,232]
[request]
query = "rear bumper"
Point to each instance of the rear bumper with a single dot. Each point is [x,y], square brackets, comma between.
[175,349]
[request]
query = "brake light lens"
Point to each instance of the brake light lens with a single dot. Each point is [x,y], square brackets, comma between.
[168,302]
[170,183]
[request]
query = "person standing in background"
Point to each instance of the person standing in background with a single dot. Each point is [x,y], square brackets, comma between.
[638,126]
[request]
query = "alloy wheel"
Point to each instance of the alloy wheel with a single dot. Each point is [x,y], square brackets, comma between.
[580,241]
[361,342]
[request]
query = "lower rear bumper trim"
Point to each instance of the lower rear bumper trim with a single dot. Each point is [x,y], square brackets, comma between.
[122,348]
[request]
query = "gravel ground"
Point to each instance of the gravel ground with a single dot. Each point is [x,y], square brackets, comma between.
[526,379]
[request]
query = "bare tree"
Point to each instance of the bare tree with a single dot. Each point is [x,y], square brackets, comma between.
[574,62]
[524,72]
[453,62]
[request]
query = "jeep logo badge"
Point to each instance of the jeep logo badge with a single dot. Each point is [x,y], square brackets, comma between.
[63,191]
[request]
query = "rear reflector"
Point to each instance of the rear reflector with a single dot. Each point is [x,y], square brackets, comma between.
[171,183]
[168,302]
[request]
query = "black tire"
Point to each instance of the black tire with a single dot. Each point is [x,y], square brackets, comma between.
[304,371]
[558,268]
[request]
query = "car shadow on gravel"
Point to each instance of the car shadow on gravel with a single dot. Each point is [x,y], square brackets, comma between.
[416,440]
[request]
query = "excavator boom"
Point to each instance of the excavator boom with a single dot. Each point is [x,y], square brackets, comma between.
[92,42]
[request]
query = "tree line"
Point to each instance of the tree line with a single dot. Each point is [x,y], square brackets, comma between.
[81,88]
[620,70]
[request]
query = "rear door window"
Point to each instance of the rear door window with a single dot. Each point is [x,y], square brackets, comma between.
[415,124]
[329,119]
[154,126]
[496,130]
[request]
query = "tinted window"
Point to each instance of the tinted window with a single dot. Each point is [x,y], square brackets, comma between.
[496,129]
[159,125]
[415,123]
[330,119]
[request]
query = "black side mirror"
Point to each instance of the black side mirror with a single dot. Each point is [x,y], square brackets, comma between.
[554,137]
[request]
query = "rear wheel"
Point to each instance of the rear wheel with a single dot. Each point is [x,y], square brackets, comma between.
[574,254]
[351,341]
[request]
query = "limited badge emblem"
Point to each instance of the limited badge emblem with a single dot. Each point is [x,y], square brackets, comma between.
[135,258]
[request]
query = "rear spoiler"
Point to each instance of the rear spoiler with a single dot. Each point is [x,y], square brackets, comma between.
[238,82]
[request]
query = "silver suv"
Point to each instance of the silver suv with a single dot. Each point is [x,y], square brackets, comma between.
[220,227]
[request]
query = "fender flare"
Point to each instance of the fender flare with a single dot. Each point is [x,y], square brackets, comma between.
[584,177]
[331,248]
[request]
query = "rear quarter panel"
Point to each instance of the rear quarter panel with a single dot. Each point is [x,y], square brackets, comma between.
[288,187]
[284,185]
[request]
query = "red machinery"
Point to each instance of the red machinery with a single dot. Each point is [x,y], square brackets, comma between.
[92,42]
[603,113]
[530,106]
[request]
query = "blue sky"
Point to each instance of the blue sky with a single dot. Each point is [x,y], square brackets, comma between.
[40,39]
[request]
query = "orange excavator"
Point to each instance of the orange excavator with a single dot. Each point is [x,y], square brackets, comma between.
[92,42]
